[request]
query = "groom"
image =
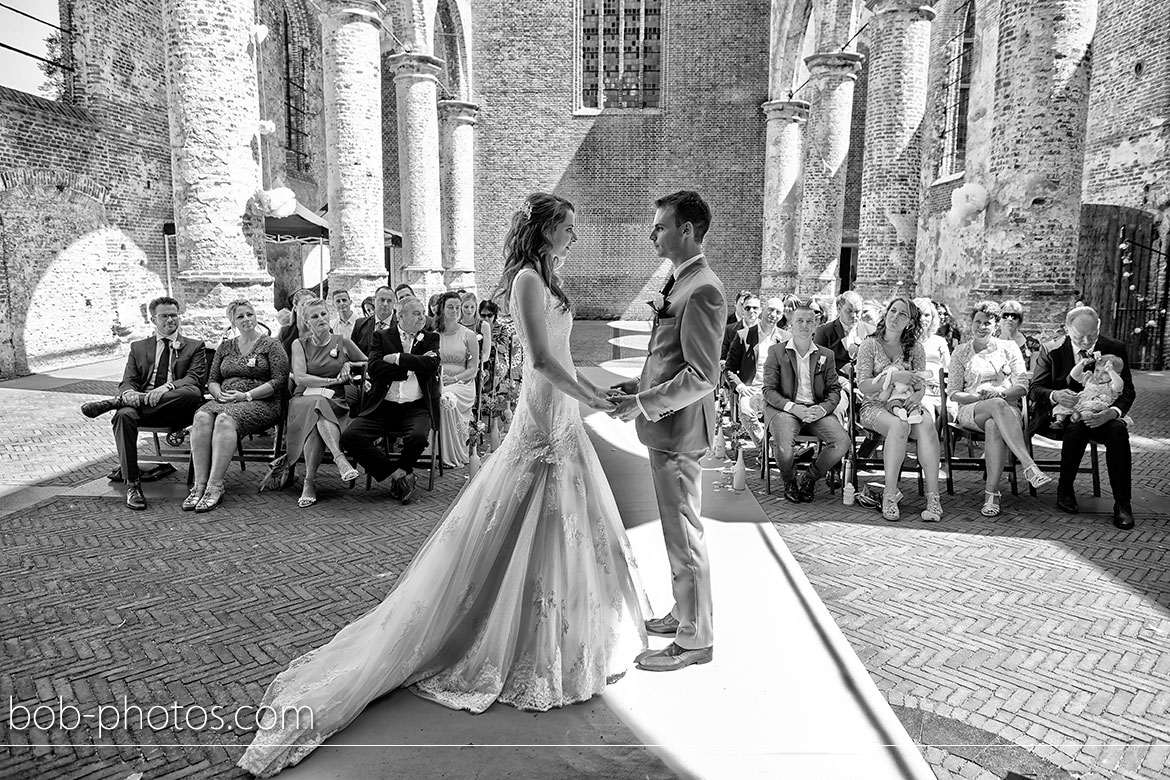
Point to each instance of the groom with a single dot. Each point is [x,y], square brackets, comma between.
[674,407]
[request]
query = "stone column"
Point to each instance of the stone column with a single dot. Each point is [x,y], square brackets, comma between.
[892,167]
[822,203]
[1037,155]
[352,60]
[213,112]
[457,167]
[783,156]
[416,87]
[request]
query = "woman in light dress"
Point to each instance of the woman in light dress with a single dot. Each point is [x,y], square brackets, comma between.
[938,354]
[459,352]
[525,592]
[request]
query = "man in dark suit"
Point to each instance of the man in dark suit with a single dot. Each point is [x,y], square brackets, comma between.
[743,374]
[162,386]
[742,318]
[404,399]
[1052,385]
[846,332]
[382,319]
[801,390]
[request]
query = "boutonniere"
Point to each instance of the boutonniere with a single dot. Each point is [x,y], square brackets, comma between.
[418,337]
[820,362]
[251,362]
[659,304]
[177,345]
[333,352]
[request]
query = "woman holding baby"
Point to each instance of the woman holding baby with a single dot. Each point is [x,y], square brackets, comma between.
[890,368]
[987,379]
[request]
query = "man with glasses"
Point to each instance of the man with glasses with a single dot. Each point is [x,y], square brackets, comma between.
[742,318]
[1052,385]
[162,386]
[746,358]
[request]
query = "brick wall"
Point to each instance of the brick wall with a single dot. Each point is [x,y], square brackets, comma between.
[709,137]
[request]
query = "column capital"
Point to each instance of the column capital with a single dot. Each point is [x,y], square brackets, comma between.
[410,66]
[839,64]
[786,110]
[458,111]
[371,10]
[909,7]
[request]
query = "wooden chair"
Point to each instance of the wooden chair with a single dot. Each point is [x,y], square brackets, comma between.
[952,433]
[859,434]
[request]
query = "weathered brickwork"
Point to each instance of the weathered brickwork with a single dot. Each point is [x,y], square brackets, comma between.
[708,136]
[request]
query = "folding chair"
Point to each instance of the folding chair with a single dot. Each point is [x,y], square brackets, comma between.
[952,433]
[1050,439]
[857,431]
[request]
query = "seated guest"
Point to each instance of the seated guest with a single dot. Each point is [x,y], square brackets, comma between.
[295,329]
[432,312]
[343,322]
[317,411]
[801,389]
[403,291]
[744,361]
[1052,385]
[162,386]
[1010,322]
[987,379]
[404,368]
[470,319]
[367,306]
[938,355]
[247,376]
[896,342]
[738,320]
[382,319]
[947,327]
[459,351]
[843,335]
[489,313]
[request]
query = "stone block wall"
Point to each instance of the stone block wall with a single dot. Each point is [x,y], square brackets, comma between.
[709,136]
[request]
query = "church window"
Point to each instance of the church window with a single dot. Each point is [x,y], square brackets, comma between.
[958,92]
[296,98]
[621,54]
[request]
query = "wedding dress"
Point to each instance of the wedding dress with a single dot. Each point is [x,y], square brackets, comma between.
[526,592]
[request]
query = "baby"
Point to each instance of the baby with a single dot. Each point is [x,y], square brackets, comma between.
[1101,377]
[903,399]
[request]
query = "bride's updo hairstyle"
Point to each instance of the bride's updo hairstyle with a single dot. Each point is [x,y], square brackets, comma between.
[527,243]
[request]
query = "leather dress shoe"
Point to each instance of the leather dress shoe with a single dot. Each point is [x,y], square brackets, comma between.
[1123,516]
[672,658]
[807,488]
[157,472]
[406,488]
[667,625]
[96,408]
[792,491]
[115,474]
[1067,502]
[134,497]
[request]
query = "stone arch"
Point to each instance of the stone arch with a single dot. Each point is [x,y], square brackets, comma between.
[792,26]
[453,33]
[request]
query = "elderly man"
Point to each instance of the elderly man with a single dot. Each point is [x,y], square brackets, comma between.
[744,360]
[162,386]
[404,399]
[801,389]
[1052,384]
[346,318]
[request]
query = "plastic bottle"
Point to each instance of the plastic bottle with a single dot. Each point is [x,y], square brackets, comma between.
[739,474]
[848,492]
[720,445]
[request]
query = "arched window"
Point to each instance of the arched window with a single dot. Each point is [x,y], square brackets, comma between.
[621,54]
[296,97]
[958,92]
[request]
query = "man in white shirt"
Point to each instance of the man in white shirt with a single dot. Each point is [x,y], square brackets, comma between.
[342,323]
[744,359]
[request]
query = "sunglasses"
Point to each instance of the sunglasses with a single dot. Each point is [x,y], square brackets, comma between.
[1011,315]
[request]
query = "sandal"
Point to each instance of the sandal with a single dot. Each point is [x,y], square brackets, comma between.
[1036,478]
[192,499]
[349,474]
[304,502]
[934,511]
[990,504]
[890,509]
[212,497]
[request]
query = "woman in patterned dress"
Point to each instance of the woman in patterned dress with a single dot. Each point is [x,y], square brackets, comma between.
[896,342]
[986,382]
[247,377]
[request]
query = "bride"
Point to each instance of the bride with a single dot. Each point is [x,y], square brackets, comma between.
[525,592]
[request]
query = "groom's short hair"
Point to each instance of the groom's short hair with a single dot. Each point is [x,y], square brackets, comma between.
[688,206]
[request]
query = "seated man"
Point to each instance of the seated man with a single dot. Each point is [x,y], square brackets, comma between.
[403,400]
[743,359]
[801,389]
[739,320]
[1052,385]
[162,386]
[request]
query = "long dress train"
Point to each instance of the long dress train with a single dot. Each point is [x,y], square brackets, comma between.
[525,593]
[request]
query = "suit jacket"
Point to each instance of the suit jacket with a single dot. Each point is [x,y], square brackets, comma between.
[780,379]
[189,369]
[1051,372]
[741,358]
[728,337]
[677,387]
[832,335]
[425,367]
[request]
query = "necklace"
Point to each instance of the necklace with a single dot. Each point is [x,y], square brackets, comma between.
[313,338]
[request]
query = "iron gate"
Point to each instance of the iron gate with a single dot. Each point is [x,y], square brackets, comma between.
[1141,295]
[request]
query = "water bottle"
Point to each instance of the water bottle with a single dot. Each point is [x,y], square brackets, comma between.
[848,493]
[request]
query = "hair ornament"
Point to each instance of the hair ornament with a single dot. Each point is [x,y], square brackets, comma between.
[526,209]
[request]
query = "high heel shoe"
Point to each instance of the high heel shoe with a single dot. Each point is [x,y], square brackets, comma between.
[349,475]
[212,497]
[990,504]
[1036,478]
[304,502]
[192,499]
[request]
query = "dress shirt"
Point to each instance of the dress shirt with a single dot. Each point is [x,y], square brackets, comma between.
[804,385]
[343,327]
[406,390]
[762,348]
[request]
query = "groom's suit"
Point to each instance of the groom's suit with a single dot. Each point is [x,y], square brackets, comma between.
[676,396]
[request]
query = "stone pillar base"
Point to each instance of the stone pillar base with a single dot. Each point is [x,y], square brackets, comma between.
[206,294]
[460,279]
[360,282]
[424,281]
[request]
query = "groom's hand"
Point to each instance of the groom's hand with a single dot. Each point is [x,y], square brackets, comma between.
[626,407]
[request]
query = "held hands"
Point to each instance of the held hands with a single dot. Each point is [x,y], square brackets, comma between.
[601,403]
[625,407]
[986,392]
[1067,398]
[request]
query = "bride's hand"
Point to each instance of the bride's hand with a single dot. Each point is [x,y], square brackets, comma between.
[601,403]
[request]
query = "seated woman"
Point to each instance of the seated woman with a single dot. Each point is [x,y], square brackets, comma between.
[489,313]
[295,328]
[1011,319]
[459,353]
[896,342]
[938,354]
[470,319]
[317,412]
[247,376]
[987,379]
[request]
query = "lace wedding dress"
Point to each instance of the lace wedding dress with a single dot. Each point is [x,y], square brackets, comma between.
[525,593]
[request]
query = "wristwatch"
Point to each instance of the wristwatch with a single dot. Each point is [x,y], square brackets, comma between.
[248,396]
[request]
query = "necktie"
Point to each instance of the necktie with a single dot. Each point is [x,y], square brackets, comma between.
[164,365]
[666,288]
[1084,354]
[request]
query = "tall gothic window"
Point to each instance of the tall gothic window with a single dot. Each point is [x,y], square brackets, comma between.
[958,92]
[621,54]
[296,98]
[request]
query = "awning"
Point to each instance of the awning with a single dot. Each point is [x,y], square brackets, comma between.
[302,226]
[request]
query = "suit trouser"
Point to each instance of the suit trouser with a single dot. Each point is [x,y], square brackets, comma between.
[786,427]
[411,421]
[678,487]
[1118,458]
[175,409]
